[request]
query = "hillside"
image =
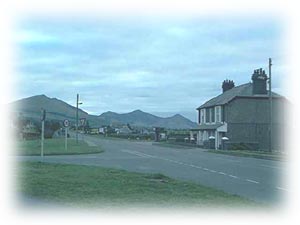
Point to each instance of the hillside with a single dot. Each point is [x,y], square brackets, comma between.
[56,109]
[60,110]
[143,119]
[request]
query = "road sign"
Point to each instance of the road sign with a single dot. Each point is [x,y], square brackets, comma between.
[66,123]
[82,121]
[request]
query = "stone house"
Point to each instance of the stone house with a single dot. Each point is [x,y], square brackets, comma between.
[242,114]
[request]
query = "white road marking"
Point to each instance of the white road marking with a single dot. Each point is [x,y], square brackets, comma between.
[222,173]
[252,181]
[173,161]
[140,154]
[283,189]
[136,153]
[198,167]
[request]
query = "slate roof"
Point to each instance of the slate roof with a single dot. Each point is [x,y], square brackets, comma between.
[244,90]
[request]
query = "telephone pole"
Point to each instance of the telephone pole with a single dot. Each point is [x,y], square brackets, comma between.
[77,104]
[77,118]
[271,107]
[43,117]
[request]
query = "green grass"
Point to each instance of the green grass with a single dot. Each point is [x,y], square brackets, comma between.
[78,185]
[253,154]
[55,146]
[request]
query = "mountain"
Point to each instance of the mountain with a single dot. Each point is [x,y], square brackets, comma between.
[56,109]
[59,110]
[143,119]
[137,118]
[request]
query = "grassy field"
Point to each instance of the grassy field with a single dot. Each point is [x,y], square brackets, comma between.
[55,146]
[253,154]
[91,186]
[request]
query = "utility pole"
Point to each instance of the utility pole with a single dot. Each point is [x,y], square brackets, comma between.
[77,118]
[77,103]
[42,139]
[271,107]
[66,138]
[43,117]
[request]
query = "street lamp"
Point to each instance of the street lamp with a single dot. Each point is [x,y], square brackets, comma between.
[77,103]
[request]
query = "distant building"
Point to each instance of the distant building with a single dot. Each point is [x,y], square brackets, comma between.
[124,130]
[94,130]
[242,114]
[29,130]
[101,130]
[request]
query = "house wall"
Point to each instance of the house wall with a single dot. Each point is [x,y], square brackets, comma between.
[248,121]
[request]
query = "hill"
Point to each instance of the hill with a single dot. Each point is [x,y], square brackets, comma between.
[60,110]
[143,119]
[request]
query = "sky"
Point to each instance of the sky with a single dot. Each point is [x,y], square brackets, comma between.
[162,66]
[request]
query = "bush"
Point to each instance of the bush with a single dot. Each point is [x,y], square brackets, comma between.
[134,136]
[206,144]
[254,146]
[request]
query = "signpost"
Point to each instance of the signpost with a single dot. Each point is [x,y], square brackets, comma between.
[82,123]
[66,124]
[43,117]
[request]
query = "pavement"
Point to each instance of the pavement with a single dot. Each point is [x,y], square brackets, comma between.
[256,179]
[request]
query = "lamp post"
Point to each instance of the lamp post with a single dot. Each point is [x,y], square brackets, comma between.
[77,103]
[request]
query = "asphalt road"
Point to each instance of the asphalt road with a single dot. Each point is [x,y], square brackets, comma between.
[256,179]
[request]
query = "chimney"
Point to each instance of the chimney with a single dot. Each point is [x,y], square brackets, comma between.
[259,79]
[227,85]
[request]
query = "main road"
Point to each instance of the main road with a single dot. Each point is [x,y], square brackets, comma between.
[256,179]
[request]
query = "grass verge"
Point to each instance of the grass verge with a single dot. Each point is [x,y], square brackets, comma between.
[174,145]
[252,154]
[78,185]
[116,138]
[55,146]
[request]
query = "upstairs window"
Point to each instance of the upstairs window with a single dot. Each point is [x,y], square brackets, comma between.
[202,116]
[207,116]
[212,114]
[218,113]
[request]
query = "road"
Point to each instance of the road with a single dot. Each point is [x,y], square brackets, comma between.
[256,179]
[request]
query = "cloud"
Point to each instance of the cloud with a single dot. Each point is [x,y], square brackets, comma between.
[27,37]
[170,66]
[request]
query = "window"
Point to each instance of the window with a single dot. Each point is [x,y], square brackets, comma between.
[207,117]
[212,114]
[218,113]
[202,116]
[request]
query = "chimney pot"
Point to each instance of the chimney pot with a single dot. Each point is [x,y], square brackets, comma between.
[227,85]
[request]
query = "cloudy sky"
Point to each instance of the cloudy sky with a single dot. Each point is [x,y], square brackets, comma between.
[161,66]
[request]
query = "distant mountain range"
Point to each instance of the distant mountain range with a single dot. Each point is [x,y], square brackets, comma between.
[59,110]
